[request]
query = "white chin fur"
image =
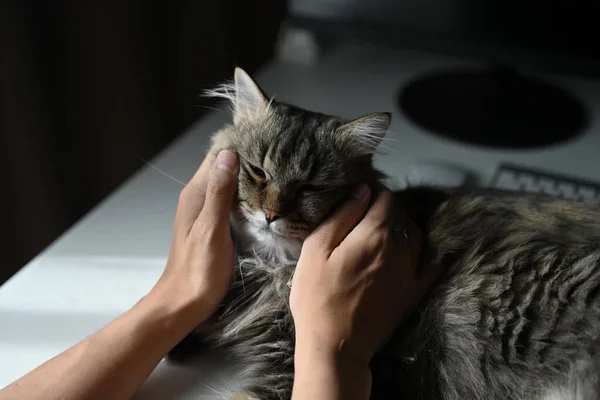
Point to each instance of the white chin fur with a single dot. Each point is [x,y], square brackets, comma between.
[270,241]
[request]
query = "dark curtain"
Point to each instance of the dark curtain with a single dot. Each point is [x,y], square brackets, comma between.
[89,87]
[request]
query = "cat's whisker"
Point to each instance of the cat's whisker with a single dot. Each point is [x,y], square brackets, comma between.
[388,140]
[242,277]
[270,103]
[215,391]
[394,132]
[386,150]
[391,139]
[163,173]
[207,107]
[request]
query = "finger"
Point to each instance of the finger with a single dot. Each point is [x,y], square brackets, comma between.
[380,215]
[221,190]
[200,179]
[192,196]
[400,227]
[331,232]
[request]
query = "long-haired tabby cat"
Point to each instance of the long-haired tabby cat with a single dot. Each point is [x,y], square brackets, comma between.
[516,316]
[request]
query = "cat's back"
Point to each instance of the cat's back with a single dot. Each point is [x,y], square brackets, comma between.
[517,314]
[457,222]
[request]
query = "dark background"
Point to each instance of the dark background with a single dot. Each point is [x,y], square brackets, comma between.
[556,35]
[89,87]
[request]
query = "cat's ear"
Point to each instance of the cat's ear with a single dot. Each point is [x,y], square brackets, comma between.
[250,101]
[247,99]
[362,136]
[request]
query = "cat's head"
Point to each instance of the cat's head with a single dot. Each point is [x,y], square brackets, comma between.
[296,166]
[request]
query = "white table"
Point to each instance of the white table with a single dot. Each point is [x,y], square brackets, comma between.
[110,258]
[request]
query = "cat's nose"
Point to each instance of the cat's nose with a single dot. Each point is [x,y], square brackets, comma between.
[271,215]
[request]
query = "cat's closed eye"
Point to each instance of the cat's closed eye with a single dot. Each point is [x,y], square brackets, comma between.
[309,190]
[257,172]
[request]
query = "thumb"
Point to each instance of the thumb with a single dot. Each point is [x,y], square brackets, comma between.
[221,189]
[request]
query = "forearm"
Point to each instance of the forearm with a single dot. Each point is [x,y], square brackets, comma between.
[329,375]
[112,363]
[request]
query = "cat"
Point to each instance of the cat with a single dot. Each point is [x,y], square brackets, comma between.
[515,316]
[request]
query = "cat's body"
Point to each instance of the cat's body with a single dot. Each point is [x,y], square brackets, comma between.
[516,316]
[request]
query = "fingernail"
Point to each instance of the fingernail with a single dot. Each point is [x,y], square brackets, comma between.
[226,160]
[360,192]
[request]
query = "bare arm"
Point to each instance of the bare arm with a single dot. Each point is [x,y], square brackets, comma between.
[354,284]
[114,362]
[325,373]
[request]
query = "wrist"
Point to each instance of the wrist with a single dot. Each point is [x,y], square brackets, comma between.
[330,372]
[308,348]
[325,343]
[177,310]
[182,297]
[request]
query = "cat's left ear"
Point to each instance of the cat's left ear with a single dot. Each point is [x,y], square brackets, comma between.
[363,135]
[250,101]
[247,99]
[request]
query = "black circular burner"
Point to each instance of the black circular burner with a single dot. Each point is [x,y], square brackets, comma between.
[495,108]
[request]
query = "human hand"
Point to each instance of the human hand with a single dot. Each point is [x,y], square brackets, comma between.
[195,280]
[200,264]
[354,285]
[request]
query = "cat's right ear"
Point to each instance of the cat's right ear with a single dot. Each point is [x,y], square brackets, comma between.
[247,99]
[362,136]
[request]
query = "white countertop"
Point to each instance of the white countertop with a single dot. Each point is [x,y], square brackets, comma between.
[109,259]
